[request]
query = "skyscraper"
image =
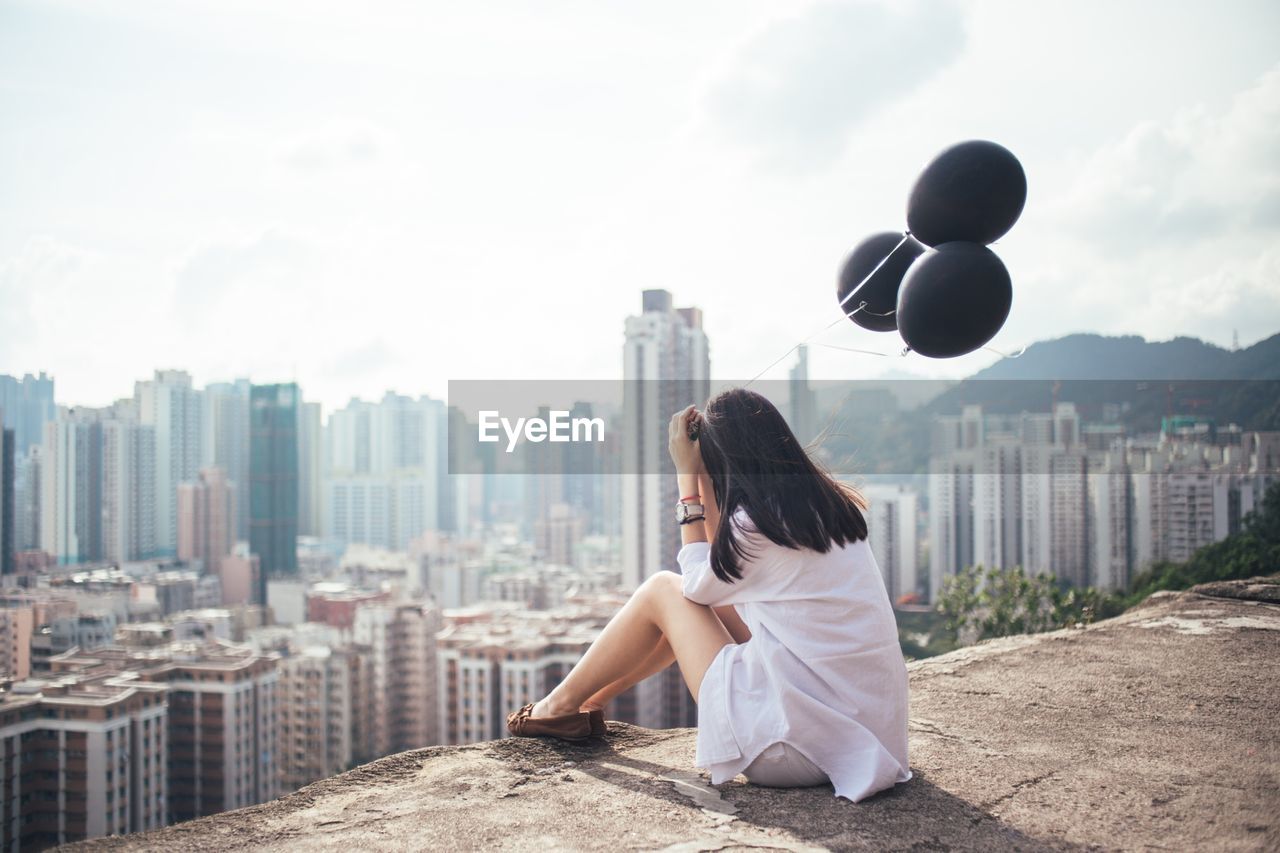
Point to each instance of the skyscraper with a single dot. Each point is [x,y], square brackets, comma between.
[27,405]
[667,366]
[803,406]
[8,472]
[226,442]
[97,486]
[273,480]
[891,531]
[128,488]
[383,481]
[71,491]
[26,493]
[206,519]
[173,407]
[310,468]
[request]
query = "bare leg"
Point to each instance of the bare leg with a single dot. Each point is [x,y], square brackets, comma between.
[733,622]
[657,610]
[659,659]
[662,657]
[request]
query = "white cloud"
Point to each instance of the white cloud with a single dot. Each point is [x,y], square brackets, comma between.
[1200,175]
[796,88]
[240,274]
[340,144]
[379,201]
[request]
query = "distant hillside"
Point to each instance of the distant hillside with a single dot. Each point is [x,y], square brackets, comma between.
[873,429]
[1131,357]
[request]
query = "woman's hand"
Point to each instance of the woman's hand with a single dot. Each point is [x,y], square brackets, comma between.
[685,452]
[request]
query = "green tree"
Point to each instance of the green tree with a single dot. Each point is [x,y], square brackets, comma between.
[980,603]
[1253,551]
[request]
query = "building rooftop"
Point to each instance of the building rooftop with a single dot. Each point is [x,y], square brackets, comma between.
[1152,730]
[507,626]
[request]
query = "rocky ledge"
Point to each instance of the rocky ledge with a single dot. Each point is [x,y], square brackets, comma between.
[1157,729]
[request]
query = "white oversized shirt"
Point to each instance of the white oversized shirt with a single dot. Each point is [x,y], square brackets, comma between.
[823,670]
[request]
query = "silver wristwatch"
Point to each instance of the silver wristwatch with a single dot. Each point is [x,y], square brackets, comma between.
[689,513]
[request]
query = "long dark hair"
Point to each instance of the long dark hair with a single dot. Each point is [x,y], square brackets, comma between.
[756,464]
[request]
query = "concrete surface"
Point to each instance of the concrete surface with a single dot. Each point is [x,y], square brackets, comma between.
[1154,730]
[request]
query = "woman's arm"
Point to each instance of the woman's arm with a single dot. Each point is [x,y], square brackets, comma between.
[696,482]
[687,457]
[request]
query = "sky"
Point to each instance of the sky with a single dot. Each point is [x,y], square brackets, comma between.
[387,195]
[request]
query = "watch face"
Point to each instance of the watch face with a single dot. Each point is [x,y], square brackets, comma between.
[683,511]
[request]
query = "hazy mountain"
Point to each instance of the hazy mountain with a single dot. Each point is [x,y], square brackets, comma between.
[1131,357]
[874,429]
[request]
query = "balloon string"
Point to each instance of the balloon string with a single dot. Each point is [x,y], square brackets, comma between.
[851,349]
[1017,354]
[906,235]
[862,307]
[813,335]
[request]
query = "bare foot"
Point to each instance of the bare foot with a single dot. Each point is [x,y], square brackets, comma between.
[545,708]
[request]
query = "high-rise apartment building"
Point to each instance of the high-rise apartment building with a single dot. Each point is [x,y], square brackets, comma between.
[206,519]
[239,575]
[26,499]
[26,405]
[8,502]
[17,624]
[559,532]
[81,756]
[997,504]
[892,520]
[226,442]
[667,366]
[385,482]
[324,701]
[310,470]
[1111,492]
[1083,502]
[97,486]
[128,488]
[950,517]
[802,405]
[170,405]
[71,491]
[222,725]
[497,658]
[401,639]
[273,480]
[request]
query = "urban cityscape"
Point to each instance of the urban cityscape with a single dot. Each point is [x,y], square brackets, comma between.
[214,595]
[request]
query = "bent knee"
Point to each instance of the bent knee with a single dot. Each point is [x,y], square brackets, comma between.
[662,584]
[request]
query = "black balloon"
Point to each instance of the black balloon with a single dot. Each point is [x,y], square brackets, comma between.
[972,191]
[953,300]
[881,290]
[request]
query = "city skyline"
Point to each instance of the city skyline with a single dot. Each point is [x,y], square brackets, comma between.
[347,354]
[356,183]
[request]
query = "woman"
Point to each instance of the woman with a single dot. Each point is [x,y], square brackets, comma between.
[779,619]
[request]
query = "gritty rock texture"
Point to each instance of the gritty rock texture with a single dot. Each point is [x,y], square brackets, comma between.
[1157,729]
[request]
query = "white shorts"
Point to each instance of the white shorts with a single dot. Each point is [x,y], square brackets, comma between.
[783,766]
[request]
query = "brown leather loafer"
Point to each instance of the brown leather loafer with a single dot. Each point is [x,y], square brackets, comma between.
[598,728]
[566,727]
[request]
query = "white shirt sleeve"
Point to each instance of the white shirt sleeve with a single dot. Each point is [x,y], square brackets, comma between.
[701,586]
